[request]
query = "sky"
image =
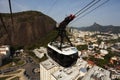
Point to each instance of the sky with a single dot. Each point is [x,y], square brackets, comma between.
[108,14]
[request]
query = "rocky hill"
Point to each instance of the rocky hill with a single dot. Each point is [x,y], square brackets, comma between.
[29,27]
[98,27]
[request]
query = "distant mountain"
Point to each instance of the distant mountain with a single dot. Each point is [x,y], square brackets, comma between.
[98,27]
[29,27]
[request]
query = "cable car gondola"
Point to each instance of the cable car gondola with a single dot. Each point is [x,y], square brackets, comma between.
[66,57]
[64,53]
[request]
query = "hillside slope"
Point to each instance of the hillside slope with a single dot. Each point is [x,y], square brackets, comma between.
[29,27]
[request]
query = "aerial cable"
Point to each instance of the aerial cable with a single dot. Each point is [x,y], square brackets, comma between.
[85,7]
[91,10]
[11,14]
[88,8]
[50,9]
[4,26]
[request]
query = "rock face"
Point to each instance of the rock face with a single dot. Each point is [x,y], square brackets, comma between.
[29,27]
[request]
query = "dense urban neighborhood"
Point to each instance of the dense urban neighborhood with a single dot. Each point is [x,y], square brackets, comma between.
[99,59]
[59,40]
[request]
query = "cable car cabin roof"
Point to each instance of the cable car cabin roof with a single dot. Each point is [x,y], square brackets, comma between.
[66,49]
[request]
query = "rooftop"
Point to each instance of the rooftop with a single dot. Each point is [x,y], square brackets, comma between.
[66,74]
[4,47]
[97,73]
[71,73]
[66,49]
[48,64]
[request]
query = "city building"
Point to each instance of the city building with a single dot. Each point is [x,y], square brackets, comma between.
[50,70]
[71,73]
[46,68]
[103,45]
[40,52]
[103,52]
[83,70]
[97,73]
[4,52]
[115,76]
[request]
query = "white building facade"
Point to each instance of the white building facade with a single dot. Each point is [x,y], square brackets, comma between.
[4,52]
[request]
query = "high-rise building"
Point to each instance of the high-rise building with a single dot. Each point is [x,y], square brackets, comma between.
[46,68]
[72,73]
[50,70]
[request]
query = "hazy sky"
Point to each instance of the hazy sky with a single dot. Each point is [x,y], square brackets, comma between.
[108,14]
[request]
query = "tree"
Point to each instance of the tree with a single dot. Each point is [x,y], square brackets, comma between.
[82,47]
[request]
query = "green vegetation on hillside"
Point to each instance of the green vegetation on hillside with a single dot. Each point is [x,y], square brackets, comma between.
[9,61]
[4,78]
[103,62]
[99,62]
[117,79]
[113,40]
[82,47]
[43,41]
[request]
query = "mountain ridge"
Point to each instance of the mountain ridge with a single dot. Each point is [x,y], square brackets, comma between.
[101,28]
